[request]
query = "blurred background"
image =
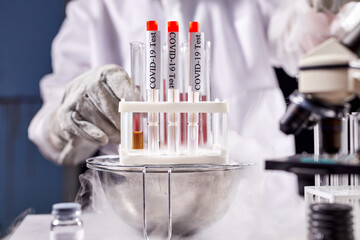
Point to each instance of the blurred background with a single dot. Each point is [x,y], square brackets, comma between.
[27,180]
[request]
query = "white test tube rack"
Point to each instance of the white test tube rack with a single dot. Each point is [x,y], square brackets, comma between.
[214,152]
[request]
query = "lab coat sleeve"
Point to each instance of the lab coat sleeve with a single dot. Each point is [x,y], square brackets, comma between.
[294,29]
[70,58]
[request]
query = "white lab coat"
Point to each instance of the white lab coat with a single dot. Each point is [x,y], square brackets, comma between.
[98,32]
[248,37]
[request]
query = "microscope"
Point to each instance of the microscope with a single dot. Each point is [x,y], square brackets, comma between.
[329,77]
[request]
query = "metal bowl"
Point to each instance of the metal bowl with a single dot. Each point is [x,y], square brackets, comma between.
[199,194]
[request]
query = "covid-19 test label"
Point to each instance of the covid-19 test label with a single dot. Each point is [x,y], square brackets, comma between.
[173,59]
[153,56]
[197,55]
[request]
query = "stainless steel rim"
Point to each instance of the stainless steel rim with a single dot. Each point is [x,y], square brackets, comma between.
[111,163]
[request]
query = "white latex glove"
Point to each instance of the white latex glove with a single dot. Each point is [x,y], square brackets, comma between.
[332,6]
[88,116]
[297,28]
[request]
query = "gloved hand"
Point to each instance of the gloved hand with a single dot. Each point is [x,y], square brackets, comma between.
[332,6]
[88,116]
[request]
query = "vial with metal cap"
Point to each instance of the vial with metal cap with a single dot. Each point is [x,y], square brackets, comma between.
[66,223]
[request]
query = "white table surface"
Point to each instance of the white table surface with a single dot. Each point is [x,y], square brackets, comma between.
[246,219]
[37,226]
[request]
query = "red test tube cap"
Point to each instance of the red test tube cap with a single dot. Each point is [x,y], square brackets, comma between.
[151,26]
[194,27]
[173,26]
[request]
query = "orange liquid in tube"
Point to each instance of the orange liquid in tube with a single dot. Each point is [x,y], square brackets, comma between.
[138,140]
[137,136]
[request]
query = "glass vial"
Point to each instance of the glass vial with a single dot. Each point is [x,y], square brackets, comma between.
[66,224]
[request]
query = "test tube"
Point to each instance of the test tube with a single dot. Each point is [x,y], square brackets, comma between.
[137,76]
[204,131]
[207,70]
[320,179]
[184,73]
[354,143]
[173,132]
[153,76]
[216,128]
[196,60]
[124,142]
[163,94]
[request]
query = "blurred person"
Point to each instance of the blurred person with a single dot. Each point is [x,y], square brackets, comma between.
[91,55]
[80,98]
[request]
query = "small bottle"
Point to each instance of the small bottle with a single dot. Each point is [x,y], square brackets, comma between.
[66,223]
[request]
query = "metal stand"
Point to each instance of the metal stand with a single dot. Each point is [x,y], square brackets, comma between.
[159,200]
[145,228]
